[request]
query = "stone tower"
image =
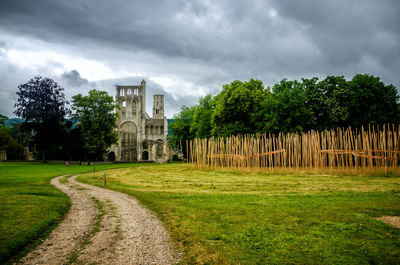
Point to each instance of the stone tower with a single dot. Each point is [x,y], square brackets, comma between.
[158,107]
[132,102]
[140,138]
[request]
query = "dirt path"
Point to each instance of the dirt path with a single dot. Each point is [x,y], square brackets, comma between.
[104,227]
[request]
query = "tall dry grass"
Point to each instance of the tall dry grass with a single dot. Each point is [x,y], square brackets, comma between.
[373,149]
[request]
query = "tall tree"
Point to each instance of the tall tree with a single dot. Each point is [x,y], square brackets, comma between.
[315,101]
[97,118]
[286,110]
[201,125]
[336,96]
[237,107]
[42,105]
[372,101]
[180,128]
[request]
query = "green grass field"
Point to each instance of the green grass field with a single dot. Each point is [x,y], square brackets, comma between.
[239,218]
[30,206]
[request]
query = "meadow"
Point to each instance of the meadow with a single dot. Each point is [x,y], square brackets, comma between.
[30,206]
[288,217]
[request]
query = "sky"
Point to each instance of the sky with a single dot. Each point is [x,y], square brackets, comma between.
[187,49]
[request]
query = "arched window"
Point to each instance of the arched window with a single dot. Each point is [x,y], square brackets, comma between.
[157,132]
[162,130]
[145,144]
[159,151]
[124,104]
[147,130]
[133,106]
[151,130]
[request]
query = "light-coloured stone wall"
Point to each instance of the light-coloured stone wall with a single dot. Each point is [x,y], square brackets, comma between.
[140,138]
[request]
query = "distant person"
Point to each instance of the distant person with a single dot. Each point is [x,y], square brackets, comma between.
[88,162]
[80,162]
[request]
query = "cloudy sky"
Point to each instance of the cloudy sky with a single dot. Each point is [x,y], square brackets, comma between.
[185,49]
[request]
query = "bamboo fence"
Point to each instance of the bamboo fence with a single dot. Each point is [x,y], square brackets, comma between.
[375,147]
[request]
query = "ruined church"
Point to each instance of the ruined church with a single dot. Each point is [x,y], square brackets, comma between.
[140,137]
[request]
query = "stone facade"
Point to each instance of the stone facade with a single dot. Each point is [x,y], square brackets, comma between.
[140,138]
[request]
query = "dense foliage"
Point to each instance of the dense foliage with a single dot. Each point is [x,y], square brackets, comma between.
[3,120]
[42,105]
[290,106]
[96,118]
[14,150]
[48,133]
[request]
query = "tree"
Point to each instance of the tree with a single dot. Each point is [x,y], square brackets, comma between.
[201,125]
[96,118]
[237,108]
[3,120]
[13,149]
[315,101]
[286,110]
[42,105]
[335,90]
[180,128]
[19,134]
[372,102]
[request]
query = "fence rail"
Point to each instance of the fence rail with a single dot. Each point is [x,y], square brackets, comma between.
[340,148]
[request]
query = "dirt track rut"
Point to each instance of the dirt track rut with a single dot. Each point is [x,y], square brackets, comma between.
[103,227]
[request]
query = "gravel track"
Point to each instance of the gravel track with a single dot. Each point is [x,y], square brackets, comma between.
[123,232]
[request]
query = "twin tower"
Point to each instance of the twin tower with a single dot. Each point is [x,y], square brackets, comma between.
[140,137]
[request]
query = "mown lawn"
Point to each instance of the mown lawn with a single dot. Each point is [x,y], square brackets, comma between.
[29,205]
[239,218]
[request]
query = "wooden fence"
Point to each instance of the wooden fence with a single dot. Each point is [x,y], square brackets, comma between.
[377,147]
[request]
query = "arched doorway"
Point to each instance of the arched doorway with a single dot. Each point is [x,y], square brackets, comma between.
[128,132]
[145,155]
[159,151]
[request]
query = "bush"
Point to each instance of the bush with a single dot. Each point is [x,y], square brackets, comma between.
[15,150]
[176,158]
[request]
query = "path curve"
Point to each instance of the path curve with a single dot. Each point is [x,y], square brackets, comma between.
[56,248]
[128,233]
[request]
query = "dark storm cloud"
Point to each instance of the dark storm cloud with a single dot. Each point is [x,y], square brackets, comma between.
[341,30]
[344,31]
[209,43]
[140,24]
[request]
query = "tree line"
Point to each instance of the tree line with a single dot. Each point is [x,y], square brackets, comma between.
[248,107]
[52,131]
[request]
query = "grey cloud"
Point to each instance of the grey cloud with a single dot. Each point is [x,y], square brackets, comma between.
[3,47]
[210,43]
[345,31]
[73,78]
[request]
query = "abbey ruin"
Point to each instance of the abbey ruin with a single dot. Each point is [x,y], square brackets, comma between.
[141,137]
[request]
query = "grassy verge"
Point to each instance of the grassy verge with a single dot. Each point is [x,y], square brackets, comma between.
[239,218]
[30,206]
